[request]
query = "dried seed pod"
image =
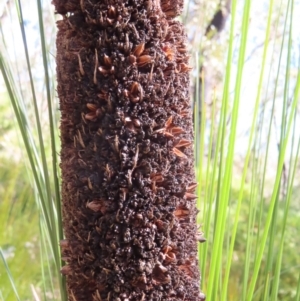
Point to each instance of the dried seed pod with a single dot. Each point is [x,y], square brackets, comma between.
[190,196]
[181,212]
[126,134]
[159,275]
[136,122]
[107,60]
[192,187]
[64,244]
[112,13]
[176,130]
[169,52]
[132,59]
[91,106]
[66,270]
[90,116]
[136,92]
[144,60]
[184,68]
[139,49]
[183,143]
[178,153]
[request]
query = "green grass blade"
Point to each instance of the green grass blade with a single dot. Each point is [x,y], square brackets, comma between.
[9,275]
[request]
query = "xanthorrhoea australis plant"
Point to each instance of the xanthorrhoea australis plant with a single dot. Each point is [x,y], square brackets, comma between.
[127,159]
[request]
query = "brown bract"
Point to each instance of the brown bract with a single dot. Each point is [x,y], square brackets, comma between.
[128,184]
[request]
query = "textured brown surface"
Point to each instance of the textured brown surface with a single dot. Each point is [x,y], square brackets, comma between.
[127,159]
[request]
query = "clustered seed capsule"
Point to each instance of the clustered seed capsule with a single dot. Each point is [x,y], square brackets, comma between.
[128,185]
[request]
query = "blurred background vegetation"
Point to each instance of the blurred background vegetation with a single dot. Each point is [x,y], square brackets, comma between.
[244,91]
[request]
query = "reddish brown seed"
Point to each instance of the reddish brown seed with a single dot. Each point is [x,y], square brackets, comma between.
[184,113]
[157,177]
[104,71]
[135,88]
[186,269]
[183,143]
[132,59]
[110,21]
[170,257]
[91,106]
[169,121]
[136,122]
[192,187]
[182,213]
[177,130]
[178,153]
[144,60]
[185,68]
[112,13]
[160,276]
[136,92]
[126,93]
[65,258]
[107,60]
[64,244]
[94,205]
[66,270]
[90,116]
[169,52]
[167,134]
[139,49]
[190,196]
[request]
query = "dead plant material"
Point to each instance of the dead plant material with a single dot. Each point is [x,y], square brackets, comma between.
[128,178]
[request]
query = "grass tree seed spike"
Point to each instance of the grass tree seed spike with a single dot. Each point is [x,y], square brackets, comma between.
[128,179]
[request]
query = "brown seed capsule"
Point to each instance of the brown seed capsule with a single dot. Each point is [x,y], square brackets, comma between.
[64,244]
[136,122]
[66,270]
[183,143]
[112,13]
[186,269]
[169,52]
[160,275]
[107,60]
[139,49]
[191,187]
[100,205]
[136,92]
[190,196]
[91,106]
[104,70]
[181,213]
[169,121]
[170,258]
[178,153]
[176,130]
[144,60]
[157,177]
[132,59]
[90,116]
[185,68]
